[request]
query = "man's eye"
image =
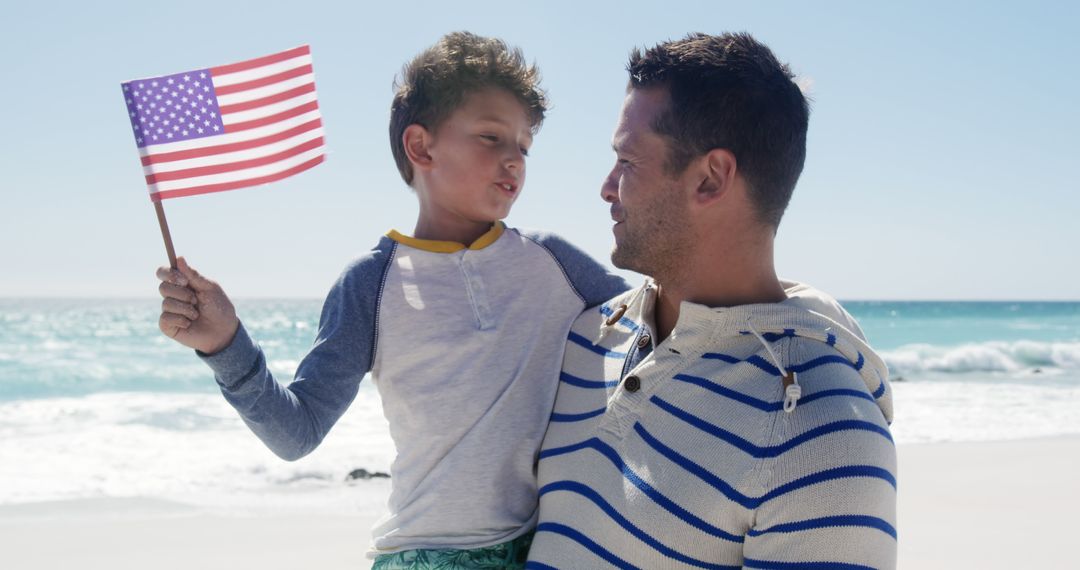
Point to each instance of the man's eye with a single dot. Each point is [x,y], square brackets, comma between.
[491,138]
[524,151]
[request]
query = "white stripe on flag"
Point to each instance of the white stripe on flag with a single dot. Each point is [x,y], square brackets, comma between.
[238,175]
[231,157]
[266,110]
[260,72]
[260,92]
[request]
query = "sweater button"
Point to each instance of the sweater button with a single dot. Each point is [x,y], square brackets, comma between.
[632,383]
[644,341]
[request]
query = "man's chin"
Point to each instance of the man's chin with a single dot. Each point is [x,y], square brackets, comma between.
[622,259]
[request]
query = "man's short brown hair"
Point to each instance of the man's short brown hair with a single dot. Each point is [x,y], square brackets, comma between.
[730,91]
[436,82]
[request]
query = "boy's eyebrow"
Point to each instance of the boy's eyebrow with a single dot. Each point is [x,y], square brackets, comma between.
[501,121]
[493,119]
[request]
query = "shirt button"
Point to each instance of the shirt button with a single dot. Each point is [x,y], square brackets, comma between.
[644,341]
[632,383]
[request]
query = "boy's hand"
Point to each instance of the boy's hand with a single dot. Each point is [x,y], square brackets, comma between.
[195,311]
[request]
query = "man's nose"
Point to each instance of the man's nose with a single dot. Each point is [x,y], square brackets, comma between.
[609,189]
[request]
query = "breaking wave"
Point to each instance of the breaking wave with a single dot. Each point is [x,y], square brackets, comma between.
[992,356]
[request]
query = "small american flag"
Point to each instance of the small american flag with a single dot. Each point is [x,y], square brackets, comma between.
[227,127]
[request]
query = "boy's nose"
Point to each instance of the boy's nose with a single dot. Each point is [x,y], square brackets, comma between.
[515,160]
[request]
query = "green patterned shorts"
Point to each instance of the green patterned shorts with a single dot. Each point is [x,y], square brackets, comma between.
[508,555]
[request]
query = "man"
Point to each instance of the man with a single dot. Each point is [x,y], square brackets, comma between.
[717,417]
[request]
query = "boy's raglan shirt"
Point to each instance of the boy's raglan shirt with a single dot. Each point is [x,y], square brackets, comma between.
[464,345]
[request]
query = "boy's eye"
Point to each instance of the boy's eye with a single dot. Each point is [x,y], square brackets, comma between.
[491,138]
[524,151]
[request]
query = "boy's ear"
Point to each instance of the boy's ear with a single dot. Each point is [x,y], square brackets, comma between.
[717,172]
[417,141]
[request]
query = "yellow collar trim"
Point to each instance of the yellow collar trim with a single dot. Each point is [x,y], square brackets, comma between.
[437,246]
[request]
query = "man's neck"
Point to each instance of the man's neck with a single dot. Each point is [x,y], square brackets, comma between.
[717,281]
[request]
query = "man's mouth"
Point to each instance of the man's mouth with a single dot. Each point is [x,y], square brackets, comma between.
[508,187]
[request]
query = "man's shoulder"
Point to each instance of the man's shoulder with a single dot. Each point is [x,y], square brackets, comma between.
[613,309]
[808,297]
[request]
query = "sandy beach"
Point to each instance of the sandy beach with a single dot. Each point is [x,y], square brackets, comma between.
[989,505]
[961,505]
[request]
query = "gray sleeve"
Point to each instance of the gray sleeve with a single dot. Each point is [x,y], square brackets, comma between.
[292,420]
[591,280]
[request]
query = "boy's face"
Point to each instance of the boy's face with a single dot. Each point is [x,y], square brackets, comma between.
[477,155]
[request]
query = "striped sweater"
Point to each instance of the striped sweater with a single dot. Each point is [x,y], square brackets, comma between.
[681,455]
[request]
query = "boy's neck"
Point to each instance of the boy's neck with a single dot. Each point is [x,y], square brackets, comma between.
[464,232]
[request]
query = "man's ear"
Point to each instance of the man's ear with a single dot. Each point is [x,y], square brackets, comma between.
[716,170]
[417,141]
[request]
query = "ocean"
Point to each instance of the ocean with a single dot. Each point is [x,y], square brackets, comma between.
[96,403]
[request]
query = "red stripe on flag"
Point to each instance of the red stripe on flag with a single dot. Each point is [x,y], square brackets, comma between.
[256,103]
[256,123]
[260,61]
[232,147]
[262,81]
[195,190]
[231,166]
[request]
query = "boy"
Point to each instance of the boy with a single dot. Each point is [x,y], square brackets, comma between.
[462,325]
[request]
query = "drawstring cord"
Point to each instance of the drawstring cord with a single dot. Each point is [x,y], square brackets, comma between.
[792,390]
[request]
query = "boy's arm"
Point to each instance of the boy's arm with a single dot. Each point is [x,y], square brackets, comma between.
[292,420]
[592,281]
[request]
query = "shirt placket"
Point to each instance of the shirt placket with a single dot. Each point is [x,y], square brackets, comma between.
[476,289]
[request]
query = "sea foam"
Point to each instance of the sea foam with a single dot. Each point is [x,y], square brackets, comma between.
[993,356]
[190,448]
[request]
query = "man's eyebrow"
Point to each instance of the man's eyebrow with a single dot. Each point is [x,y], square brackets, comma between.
[622,146]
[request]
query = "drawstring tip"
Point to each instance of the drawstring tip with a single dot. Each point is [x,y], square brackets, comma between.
[610,322]
[792,392]
[616,315]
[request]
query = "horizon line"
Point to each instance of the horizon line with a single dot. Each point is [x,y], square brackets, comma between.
[8,297]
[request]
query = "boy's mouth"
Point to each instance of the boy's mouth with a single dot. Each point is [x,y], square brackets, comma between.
[508,187]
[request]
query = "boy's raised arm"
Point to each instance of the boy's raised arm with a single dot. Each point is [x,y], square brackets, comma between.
[290,419]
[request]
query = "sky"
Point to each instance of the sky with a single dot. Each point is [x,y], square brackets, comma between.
[941,150]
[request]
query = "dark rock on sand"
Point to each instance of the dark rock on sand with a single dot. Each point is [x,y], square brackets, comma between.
[362,473]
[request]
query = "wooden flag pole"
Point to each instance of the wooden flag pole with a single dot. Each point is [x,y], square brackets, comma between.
[165,233]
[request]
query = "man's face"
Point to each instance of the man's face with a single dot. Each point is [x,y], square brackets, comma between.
[648,204]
